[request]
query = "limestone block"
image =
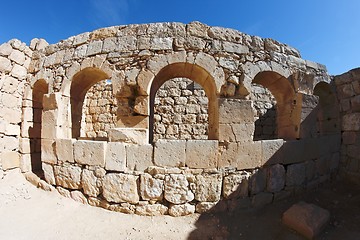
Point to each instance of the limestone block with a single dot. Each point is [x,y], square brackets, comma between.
[142,105]
[151,210]
[49,123]
[64,150]
[94,48]
[161,43]
[17,56]
[129,135]
[257,181]
[236,111]
[48,173]
[261,199]
[5,49]
[115,157]
[170,153]
[236,185]
[63,192]
[201,153]
[203,207]
[9,84]
[177,189]
[181,210]
[24,145]
[143,79]
[197,29]
[10,160]
[235,48]
[5,65]
[68,176]
[139,157]
[25,162]
[90,152]
[208,188]
[295,174]
[48,148]
[120,188]
[307,219]
[32,178]
[151,188]
[18,72]
[271,151]
[132,121]
[110,45]
[243,132]
[350,122]
[276,178]
[9,143]
[78,196]
[241,155]
[51,101]
[226,133]
[90,184]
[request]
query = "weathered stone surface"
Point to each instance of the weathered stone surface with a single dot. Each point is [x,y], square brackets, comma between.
[257,181]
[307,219]
[48,148]
[48,173]
[181,210]
[68,176]
[295,174]
[78,196]
[276,178]
[201,153]
[351,122]
[90,152]
[139,157]
[115,156]
[170,153]
[177,189]
[10,160]
[203,207]
[64,150]
[129,135]
[120,188]
[63,192]
[151,210]
[236,111]
[90,184]
[208,188]
[151,188]
[236,185]
[241,155]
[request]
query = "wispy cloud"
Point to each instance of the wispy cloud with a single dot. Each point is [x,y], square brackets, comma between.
[109,12]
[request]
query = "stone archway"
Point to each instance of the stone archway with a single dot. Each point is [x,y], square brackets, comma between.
[196,74]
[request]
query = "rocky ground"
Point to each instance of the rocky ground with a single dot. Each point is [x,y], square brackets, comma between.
[30,213]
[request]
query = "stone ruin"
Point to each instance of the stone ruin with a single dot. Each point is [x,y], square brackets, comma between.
[172,118]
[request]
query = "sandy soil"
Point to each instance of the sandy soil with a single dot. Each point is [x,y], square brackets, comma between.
[30,213]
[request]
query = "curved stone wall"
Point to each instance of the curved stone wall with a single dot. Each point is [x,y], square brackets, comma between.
[239,164]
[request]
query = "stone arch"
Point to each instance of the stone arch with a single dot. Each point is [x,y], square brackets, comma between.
[39,88]
[328,109]
[196,74]
[81,83]
[288,103]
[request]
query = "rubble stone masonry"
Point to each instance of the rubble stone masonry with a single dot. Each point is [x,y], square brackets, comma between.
[172,118]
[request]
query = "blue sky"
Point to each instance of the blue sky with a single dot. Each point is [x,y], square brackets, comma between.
[325,31]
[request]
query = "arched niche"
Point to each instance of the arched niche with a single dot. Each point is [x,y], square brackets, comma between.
[196,74]
[328,109]
[39,88]
[288,103]
[81,83]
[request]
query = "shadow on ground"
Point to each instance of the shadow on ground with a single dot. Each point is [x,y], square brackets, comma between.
[340,198]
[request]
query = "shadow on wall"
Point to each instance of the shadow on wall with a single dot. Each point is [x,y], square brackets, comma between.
[291,167]
[40,88]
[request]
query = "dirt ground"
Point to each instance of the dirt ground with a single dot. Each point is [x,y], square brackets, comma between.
[30,213]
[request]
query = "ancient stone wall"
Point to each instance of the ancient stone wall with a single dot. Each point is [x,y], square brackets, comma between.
[180,111]
[15,58]
[348,92]
[255,90]
[99,111]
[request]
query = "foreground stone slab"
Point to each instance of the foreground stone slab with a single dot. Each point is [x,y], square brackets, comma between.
[307,219]
[129,135]
[90,152]
[120,188]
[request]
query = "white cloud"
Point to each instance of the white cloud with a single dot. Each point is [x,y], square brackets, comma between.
[109,12]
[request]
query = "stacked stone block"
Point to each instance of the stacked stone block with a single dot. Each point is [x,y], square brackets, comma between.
[348,92]
[15,58]
[180,111]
